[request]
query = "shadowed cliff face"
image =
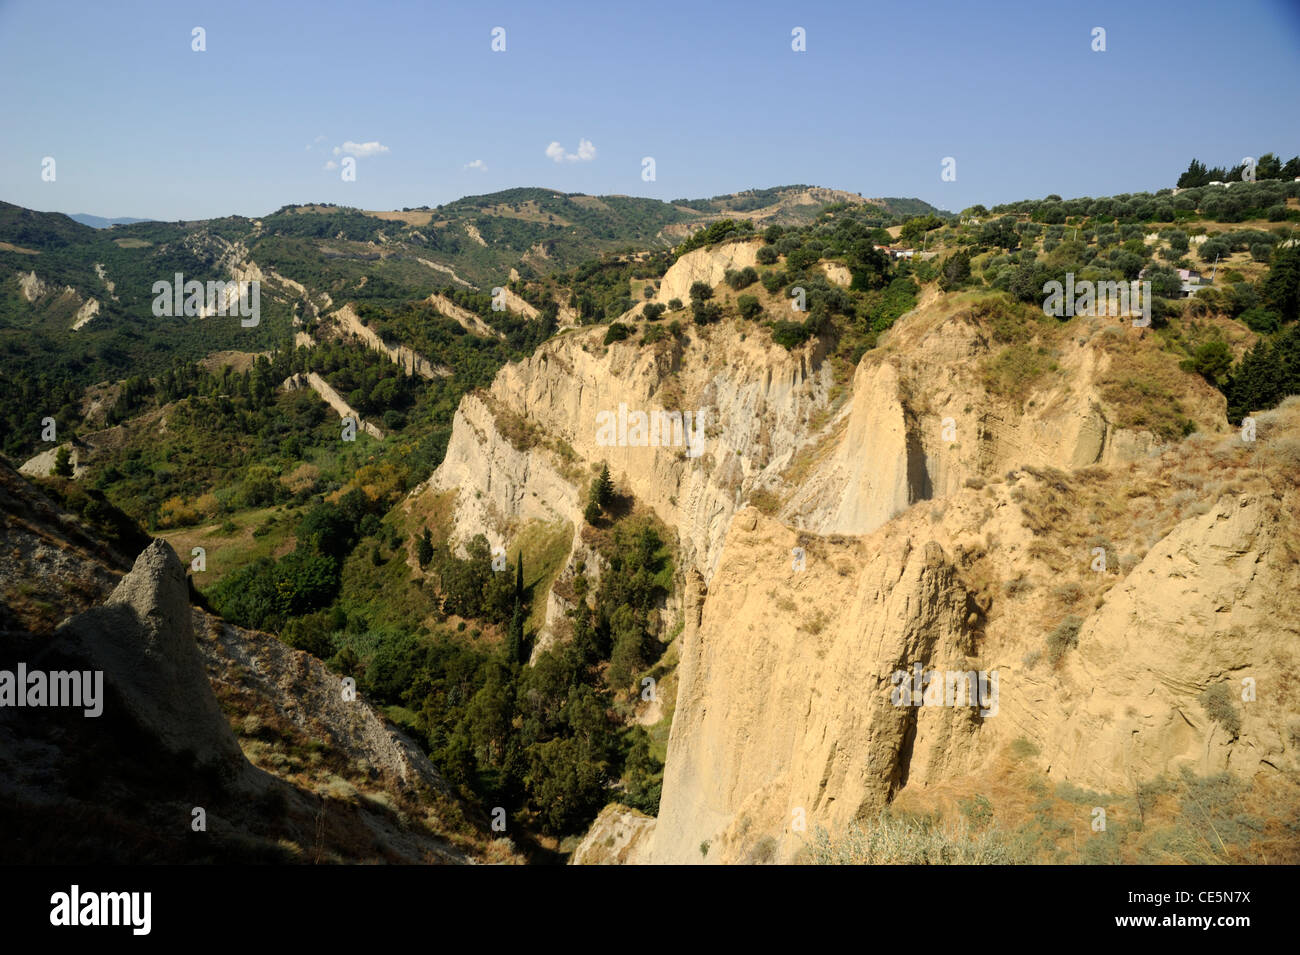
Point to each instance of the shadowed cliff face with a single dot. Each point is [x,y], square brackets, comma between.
[123,785]
[142,638]
[785,718]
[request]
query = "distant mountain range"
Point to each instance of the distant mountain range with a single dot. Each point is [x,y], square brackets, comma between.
[63,276]
[99,222]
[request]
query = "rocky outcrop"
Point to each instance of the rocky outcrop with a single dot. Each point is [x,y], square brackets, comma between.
[31,287]
[42,465]
[142,638]
[410,361]
[619,836]
[525,449]
[467,319]
[784,716]
[518,305]
[785,719]
[446,270]
[305,692]
[85,313]
[159,775]
[921,422]
[707,265]
[332,398]
[1208,605]
[839,274]
[923,502]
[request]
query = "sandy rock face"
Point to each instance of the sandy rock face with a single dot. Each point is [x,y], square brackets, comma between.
[755,399]
[410,361]
[785,719]
[31,286]
[619,836]
[332,398]
[143,639]
[303,689]
[1212,603]
[784,714]
[920,423]
[707,265]
[41,465]
[84,314]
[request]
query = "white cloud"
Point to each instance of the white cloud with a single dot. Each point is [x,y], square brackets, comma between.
[331,165]
[361,150]
[586,152]
[478,164]
[314,142]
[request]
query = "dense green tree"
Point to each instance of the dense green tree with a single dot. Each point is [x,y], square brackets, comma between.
[742,278]
[1211,360]
[1280,289]
[914,230]
[424,549]
[62,462]
[642,774]
[1267,373]
[955,271]
[515,636]
[705,313]
[602,489]
[1212,250]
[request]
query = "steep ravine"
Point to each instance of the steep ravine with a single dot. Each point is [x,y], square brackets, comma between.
[905,486]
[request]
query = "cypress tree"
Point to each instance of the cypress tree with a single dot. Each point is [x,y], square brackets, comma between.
[602,489]
[424,550]
[515,635]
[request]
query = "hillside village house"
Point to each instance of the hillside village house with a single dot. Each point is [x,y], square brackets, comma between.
[896,252]
[1189,281]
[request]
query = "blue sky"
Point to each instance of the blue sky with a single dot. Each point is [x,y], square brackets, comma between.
[141,125]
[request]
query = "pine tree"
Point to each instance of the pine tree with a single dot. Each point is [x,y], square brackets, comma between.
[602,489]
[424,549]
[62,462]
[519,578]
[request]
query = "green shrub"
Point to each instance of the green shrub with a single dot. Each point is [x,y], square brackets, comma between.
[706,313]
[891,840]
[1063,638]
[1217,703]
[743,278]
[1022,748]
[790,334]
[1260,319]
[654,333]
[749,307]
